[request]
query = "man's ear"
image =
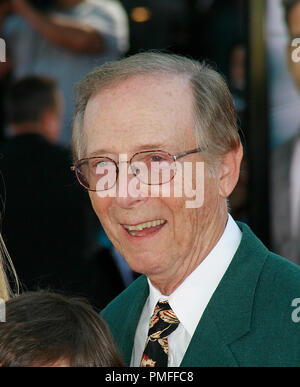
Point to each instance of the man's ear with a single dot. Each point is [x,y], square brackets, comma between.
[229,171]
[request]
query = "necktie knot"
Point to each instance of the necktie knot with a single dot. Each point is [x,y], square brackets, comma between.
[162,323]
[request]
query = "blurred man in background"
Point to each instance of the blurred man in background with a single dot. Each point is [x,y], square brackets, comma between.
[285,171]
[47,224]
[63,39]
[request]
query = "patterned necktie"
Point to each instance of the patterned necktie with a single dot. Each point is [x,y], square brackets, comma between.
[162,323]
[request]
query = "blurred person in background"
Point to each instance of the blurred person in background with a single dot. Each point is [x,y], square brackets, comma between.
[238,200]
[285,173]
[237,78]
[48,225]
[63,39]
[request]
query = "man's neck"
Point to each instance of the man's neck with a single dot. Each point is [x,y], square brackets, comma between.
[168,284]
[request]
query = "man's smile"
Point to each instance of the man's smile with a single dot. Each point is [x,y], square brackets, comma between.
[145,228]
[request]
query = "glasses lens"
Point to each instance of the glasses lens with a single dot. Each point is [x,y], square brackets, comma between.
[153,167]
[97,173]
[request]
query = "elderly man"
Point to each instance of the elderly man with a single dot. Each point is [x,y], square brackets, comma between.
[211,293]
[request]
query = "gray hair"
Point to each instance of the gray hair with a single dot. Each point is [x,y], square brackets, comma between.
[215,116]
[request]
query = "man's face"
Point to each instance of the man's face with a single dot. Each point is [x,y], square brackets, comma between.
[139,114]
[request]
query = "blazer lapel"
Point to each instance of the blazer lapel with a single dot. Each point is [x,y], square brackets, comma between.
[130,324]
[227,316]
[207,347]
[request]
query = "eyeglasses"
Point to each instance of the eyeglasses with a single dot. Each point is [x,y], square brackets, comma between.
[154,167]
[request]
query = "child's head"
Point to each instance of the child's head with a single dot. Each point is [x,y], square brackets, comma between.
[49,329]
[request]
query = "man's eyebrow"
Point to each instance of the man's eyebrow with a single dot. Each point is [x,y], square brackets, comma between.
[139,148]
[99,152]
[155,146]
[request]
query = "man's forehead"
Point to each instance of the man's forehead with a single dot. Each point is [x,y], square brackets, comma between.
[101,142]
[143,85]
[138,114]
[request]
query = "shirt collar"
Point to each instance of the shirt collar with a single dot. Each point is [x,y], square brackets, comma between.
[190,299]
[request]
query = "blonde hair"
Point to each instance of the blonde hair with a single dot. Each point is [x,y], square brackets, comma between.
[6,266]
[215,117]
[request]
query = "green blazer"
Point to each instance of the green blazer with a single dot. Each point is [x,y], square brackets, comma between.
[251,319]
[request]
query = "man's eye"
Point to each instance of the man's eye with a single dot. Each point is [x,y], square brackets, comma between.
[99,165]
[102,164]
[156,158]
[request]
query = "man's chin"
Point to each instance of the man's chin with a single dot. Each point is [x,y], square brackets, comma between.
[147,264]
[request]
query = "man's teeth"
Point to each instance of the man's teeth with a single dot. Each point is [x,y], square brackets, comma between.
[142,226]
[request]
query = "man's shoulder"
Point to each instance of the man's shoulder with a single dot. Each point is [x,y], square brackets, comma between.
[277,282]
[281,275]
[276,270]
[275,320]
[273,329]
[255,305]
[128,296]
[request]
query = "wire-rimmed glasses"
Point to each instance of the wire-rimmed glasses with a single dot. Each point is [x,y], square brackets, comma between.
[153,167]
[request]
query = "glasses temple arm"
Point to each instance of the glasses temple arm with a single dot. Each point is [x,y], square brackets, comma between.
[187,153]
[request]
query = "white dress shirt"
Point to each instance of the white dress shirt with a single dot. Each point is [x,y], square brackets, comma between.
[190,299]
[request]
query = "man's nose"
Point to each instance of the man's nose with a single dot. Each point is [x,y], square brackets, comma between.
[130,192]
